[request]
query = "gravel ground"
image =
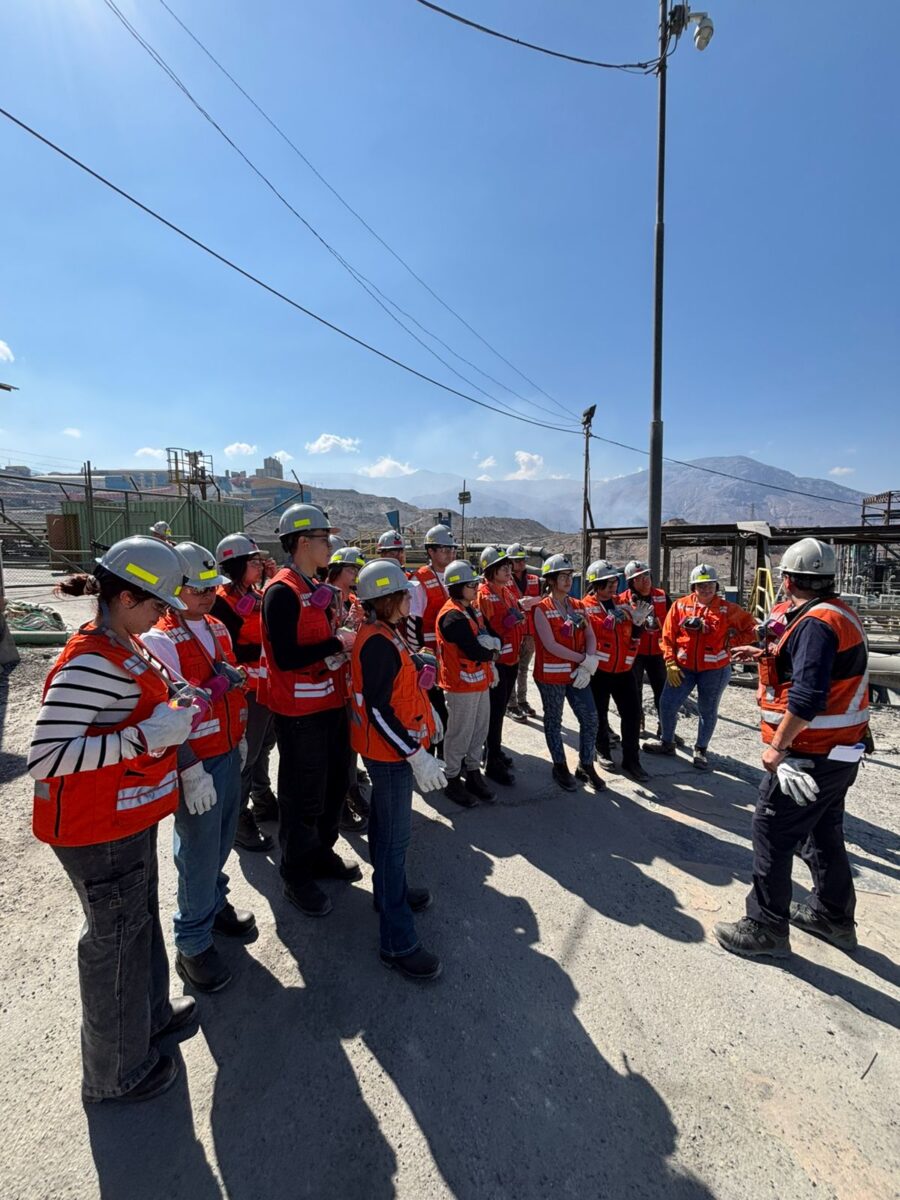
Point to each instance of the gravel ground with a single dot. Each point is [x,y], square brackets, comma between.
[588,1038]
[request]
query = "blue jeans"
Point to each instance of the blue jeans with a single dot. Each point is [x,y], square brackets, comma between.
[390,821]
[581,702]
[201,844]
[710,685]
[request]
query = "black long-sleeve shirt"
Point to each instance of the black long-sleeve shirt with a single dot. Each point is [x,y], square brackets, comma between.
[380,663]
[281,612]
[244,652]
[455,627]
[807,661]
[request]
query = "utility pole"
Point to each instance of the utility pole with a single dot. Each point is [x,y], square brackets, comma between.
[587,517]
[654,513]
[465,497]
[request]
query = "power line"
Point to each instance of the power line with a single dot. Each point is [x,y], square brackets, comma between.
[366,284]
[351,337]
[394,254]
[630,68]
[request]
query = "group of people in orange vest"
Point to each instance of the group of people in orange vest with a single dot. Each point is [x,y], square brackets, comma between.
[169,701]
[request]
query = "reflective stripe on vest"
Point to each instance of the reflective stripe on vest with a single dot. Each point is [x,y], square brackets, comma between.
[547,667]
[311,689]
[456,672]
[224,727]
[137,797]
[411,706]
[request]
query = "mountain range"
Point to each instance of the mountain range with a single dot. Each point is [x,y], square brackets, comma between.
[745,490]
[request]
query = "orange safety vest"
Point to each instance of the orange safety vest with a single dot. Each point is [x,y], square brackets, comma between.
[435,598]
[726,625]
[410,704]
[547,667]
[310,690]
[846,715]
[649,643]
[456,673]
[250,632]
[224,725]
[495,607]
[532,588]
[111,802]
[616,647]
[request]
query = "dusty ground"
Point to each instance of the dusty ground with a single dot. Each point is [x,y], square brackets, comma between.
[587,1037]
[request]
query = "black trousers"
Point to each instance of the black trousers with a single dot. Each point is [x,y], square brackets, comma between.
[621,687]
[260,740]
[500,697]
[439,702]
[654,666]
[314,759]
[780,826]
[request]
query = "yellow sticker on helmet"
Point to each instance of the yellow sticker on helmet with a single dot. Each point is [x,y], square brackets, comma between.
[140,573]
[207,574]
[453,579]
[177,590]
[703,579]
[301,522]
[382,582]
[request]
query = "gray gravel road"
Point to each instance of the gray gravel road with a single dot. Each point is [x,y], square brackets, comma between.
[587,1038]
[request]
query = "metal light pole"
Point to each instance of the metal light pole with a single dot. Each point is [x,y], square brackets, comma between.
[671,24]
[587,517]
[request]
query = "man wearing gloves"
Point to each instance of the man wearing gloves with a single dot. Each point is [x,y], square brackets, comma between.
[197,649]
[697,636]
[466,655]
[813,698]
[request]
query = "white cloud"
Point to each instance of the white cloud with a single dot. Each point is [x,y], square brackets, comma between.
[6,355]
[326,442]
[528,465]
[72,432]
[150,452]
[485,479]
[239,450]
[842,470]
[283,456]
[386,467]
[488,462]
[564,475]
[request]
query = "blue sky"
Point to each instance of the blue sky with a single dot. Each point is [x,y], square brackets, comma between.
[520,188]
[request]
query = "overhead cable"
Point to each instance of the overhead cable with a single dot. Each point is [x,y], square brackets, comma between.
[377,236]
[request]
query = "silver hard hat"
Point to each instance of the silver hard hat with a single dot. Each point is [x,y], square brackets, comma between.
[392,540]
[235,545]
[381,577]
[460,571]
[492,557]
[809,556]
[601,570]
[149,564]
[303,518]
[556,564]
[440,535]
[704,573]
[202,571]
[516,550]
[636,567]
[347,556]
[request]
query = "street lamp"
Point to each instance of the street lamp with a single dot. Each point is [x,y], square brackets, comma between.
[672,24]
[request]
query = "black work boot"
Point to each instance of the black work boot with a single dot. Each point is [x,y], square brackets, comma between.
[265,808]
[309,898]
[635,771]
[478,788]
[330,865]
[233,922]
[248,835]
[604,756]
[456,790]
[420,966]
[660,748]
[158,1080]
[751,939]
[204,971]
[839,933]
[499,771]
[563,776]
[587,773]
[351,820]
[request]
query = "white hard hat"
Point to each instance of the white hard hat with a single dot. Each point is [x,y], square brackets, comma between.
[516,550]
[492,557]
[235,545]
[161,529]
[809,556]
[601,570]
[381,577]
[392,540]
[704,573]
[303,518]
[148,564]
[460,571]
[347,556]
[636,567]
[556,564]
[202,571]
[440,535]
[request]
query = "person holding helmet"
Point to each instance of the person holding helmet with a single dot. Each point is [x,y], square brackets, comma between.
[196,648]
[498,603]
[565,658]
[466,672]
[391,726]
[813,698]
[528,587]
[304,650]
[697,635]
[238,605]
[103,757]
[343,569]
[649,660]
[161,530]
[617,628]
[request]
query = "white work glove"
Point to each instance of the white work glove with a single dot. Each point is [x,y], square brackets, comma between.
[438,735]
[346,637]
[581,676]
[428,770]
[198,789]
[242,750]
[495,676]
[333,661]
[795,782]
[590,663]
[167,726]
[640,612]
[489,642]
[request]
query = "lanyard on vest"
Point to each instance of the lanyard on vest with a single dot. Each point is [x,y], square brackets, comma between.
[137,648]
